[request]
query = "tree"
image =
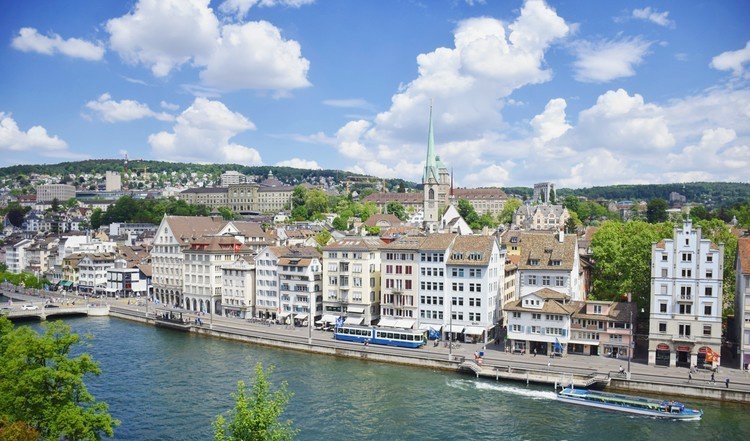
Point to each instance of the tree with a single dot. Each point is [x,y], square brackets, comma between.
[323,237]
[16,213]
[316,201]
[699,212]
[227,213]
[55,206]
[340,223]
[622,252]
[97,218]
[509,209]
[42,386]
[396,209]
[552,196]
[656,211]
[256,414]
[466,210]
[298,196]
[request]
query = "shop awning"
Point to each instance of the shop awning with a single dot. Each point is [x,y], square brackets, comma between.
[473,330]
[354,320]
[300,316]
[285,314]
[329,318]
[388,323]
[405,323]
[356,310]
[427,326]
[66,283]
[456,329]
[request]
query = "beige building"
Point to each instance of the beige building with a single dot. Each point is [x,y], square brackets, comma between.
[399,285]
[238,287]
[351,279]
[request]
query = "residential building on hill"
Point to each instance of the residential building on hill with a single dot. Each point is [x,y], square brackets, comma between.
[540,217]
[50,192]
[549,260]
[686,300]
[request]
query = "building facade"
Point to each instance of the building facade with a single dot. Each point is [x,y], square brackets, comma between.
[742,301]
[686,300]
[300,286]
[50,192]
[238,288]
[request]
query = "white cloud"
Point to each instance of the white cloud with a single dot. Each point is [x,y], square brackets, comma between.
[352,103]
[715,151]
[299,163]
[164,34]
[551,124]
[202,133]
[35,139]
[254,56]
[648,14]
[125,110]
[468,83]
[240,7]
[29,40]
[168,106]
[168,34]
[602,61]
[733,60]
[491,176]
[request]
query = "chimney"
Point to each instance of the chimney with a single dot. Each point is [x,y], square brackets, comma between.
[561,236]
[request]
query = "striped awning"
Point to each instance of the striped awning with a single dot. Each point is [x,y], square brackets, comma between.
[354,320]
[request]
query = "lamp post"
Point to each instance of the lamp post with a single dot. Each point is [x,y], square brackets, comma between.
[630,342]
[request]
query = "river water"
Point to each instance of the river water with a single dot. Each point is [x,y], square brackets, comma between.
[166,385]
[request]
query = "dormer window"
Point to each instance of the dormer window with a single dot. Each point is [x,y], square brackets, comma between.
[555,262]
[534,262]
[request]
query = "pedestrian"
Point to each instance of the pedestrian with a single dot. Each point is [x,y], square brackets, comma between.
[727,382]
[690,376]
[534,352]
[713,378]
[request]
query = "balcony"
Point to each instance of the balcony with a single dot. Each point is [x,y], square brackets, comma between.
[685,298]
[683,338]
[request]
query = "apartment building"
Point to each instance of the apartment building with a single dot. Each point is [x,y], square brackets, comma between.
[238,287]
[742,301]
[300,285]
[399,269]
[686,299]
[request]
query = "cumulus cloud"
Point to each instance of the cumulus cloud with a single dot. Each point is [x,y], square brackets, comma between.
[29,40]
[733,60]
[352,103]
[715,150]
[202,133]
[299,163]
[240,7]
[112,111]
[603,61]
[169,106]
[254,56]
[164,35]
[469,83]
[652,15]
[491,176]
[35,139]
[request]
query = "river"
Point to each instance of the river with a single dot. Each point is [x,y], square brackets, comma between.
[166,385]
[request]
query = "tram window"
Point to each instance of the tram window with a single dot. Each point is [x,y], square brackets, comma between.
[390,335]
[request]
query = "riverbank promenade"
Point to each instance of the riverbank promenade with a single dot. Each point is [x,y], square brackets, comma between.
[657,379]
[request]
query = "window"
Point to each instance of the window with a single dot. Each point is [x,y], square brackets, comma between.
[687,273]
[515,328]
[555,262]
[664,257]
[706,330]
[545,280]
[536,316]
[687,257]
[709,291]
[706,309]
[686,309]
[597,309]
[686,292]
[559,281]
[662,328]
[664,272]
[684,331]
[709,274]
[534,262]
[710,258]
[517,315]
[663,307]
[532,280]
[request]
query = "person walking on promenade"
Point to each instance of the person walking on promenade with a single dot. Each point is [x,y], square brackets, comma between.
[534,352]
[713,378]
[727,382]
[690,377]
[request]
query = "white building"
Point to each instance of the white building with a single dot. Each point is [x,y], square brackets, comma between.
[475,268]
[50,192]
[351,279]
[15,256]
[540,217]
[267,282]
[538,321]
[92,272]
[112,181]
[125,282]
[551,261]
[433,307]
[742,301]
[232,177]
[238,290]
[300,285]
[686,299]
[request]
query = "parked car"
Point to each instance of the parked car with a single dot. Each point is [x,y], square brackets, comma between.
[29,307]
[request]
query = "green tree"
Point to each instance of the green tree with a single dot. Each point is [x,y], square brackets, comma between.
[571,203]
[257,411]
[699,212]
[323,237]
[298,196]
[552,197]
[396,209]
[227,213]
[656,211]
[622,252]
[341,223]
[16,213]
[42,386]
[316,201]
[510,207]
[466,210]
[97,218]
[55,206]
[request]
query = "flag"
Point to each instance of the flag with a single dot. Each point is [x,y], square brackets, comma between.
[434,334]
[339,322]
[558,346]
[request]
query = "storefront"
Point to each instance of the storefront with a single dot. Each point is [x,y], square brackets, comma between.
[662,354]
[683,356]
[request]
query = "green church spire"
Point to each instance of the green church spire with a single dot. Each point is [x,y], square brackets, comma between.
[430,166]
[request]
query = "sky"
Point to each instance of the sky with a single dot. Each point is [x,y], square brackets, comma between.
[575,92]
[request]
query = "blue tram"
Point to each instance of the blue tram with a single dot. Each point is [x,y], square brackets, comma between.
[407,338]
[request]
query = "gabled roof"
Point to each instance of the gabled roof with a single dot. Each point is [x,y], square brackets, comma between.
[545,248]
[356,243]
[743,254]
[471,250]
[438,242]
[406,243]
[185,228]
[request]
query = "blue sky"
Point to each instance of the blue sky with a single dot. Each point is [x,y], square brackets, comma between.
[579,93]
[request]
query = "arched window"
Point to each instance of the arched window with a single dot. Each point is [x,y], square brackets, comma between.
[431,194]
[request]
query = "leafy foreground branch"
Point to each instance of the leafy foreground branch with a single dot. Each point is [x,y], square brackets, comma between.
[256,415]
[42,393]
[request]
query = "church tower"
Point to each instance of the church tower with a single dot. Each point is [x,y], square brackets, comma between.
[436,183]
